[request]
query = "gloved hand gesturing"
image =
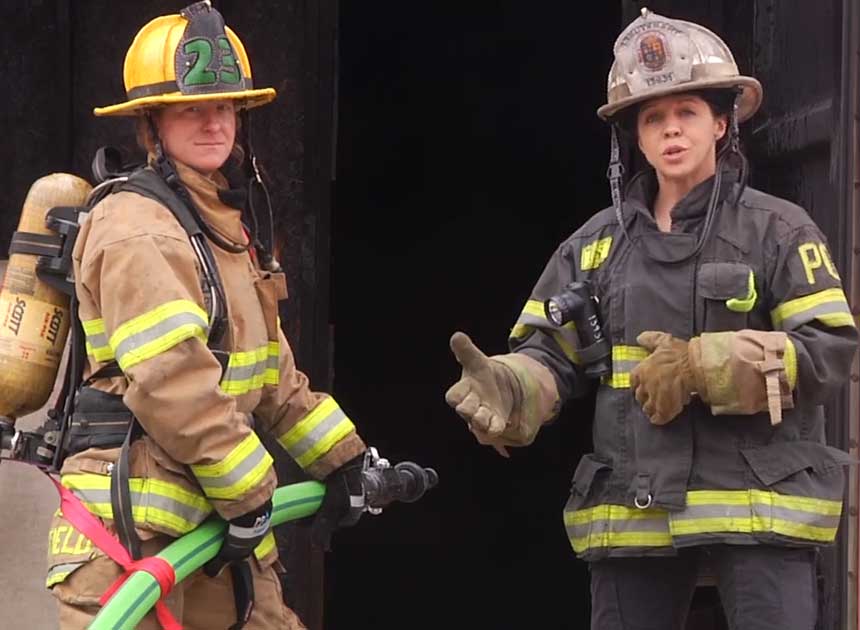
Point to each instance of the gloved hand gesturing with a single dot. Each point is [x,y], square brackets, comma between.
[486,394]
[666,379]
[243,535]
[343,503]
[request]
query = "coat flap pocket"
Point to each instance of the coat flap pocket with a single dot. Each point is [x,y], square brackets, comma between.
[775,462]
[586,470]
[725,281]
[276,283]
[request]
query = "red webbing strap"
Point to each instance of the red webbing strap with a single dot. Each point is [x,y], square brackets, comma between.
[84,521]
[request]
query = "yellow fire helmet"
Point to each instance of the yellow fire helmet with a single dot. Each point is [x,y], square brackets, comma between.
[186,57]
[657,56]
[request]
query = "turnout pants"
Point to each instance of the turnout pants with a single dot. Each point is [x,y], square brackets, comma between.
[198,602]
[761,588]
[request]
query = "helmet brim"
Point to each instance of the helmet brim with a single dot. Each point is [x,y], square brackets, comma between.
[134,107]
[749,103]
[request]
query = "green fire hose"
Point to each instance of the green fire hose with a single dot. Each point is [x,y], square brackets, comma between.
[383,484]
[187,554]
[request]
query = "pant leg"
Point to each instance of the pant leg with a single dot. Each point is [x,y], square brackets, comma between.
[643,593]
[767,588]
[209,603]
[78,595]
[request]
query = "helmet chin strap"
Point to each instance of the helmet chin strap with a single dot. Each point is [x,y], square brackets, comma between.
[731,150]
[263,243]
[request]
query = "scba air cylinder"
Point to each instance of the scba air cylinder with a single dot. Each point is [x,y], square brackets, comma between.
[34,317]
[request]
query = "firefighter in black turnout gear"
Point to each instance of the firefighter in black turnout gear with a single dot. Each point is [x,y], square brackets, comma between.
[729,329]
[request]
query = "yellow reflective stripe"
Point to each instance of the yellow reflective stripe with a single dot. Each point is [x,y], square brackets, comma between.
[56,578]
[97,341]
[618,381]
[609,525]
[315,434]
[829,307]
[611,512]
[534,310]
[159,503]
[628,353]
[520,331]
[323,446]
[835,320]
[93,326]
[243,468]
[789,359]
[825,507]
[304,426]
[707,512]
[534,307]
[744,305]
[624,359]
[158,330]
[245,371]
[272,373]
[266,546]
[595,253]
[250,370]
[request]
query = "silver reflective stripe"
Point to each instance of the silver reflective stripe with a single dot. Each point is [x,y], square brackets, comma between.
[316,434]
[741,515]
[244,372]
[98,340]
[234,476]
[260,528]
[566,332]
[658,525]
[59,572]
[140,339]
[146,501]
[807,315]
[623,367]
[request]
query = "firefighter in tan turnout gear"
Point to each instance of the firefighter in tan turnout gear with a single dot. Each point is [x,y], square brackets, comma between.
[183,334]
[720,329]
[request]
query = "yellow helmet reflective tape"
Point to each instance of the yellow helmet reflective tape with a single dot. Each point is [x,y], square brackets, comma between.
[658,56]
[186,57]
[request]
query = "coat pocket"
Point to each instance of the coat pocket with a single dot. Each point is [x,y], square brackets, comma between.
[727,294]
[800,469]
[588,473]
[271,288]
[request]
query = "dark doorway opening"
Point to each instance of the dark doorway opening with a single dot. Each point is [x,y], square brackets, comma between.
[468,148]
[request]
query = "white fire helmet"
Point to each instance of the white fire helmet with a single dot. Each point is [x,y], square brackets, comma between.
[657,56]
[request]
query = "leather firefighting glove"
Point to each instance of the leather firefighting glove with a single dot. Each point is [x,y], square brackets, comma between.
[504,399]
[243,535]
[342,504]
[665,381]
